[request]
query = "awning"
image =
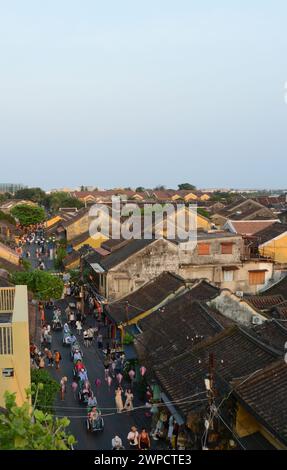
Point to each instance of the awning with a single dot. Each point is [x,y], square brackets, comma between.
[97,268]
[172,409]
[230,268]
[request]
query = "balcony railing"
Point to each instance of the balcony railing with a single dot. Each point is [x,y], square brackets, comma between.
[7,295]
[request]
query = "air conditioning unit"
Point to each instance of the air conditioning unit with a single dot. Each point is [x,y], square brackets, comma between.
[256,321]
[239,293]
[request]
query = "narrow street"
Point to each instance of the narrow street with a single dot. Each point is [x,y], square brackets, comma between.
[114,423]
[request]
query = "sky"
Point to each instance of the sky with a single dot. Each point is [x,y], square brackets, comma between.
[141,93]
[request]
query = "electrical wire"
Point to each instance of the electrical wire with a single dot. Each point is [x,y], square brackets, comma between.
[127,411]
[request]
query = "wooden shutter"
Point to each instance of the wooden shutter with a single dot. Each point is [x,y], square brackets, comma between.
[256,278]
[203,249]
[226,248]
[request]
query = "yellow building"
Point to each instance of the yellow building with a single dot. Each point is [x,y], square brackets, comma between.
[272,242]
[14,343]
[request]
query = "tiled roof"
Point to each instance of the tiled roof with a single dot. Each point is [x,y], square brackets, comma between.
[176,328]
[75,217]
[203,290]
[250,227]
[271,232]
[80,239]
[120,255]
[264,395]
[280,288]
[146,297]
[273,333]
[264,302]
[236,354]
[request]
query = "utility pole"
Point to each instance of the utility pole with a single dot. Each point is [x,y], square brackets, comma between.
[210,388]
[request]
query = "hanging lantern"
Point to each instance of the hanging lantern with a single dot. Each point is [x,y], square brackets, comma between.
[132,374]
[119,378]
[142,371]
[98,382]
[109,380]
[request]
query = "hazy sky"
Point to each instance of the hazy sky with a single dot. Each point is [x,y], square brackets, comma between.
[143,92]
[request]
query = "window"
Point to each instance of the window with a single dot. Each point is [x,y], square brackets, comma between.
[6,344]
[228,276]
[226,248]
[256,278]
[203,249]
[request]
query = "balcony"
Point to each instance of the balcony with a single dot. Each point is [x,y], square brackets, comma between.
[7,296]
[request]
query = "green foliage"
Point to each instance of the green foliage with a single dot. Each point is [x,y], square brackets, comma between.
[24,429]
[26,264]
[28,215]
[4,197]
[7,217]
[62,199]
[203,212]
[46,393]
[187,186]
[128,338]
[61,255]
[140,189]
[75,275]
[32,194]
[44,285]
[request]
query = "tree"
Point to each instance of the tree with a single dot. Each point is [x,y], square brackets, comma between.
[203,212]
[61,255]
[24,429]
[28,215]
[44,285]
[140,189]
[32,194]
[7,217]
[187,186]
[46,393]
[62,199]
[160,187]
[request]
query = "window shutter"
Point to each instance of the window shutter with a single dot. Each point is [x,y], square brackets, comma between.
[203,249]
[226,248]
[256,278]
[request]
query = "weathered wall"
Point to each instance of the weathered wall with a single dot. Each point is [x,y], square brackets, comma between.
[233,307]
[78,227]
[142,267]
[8,254]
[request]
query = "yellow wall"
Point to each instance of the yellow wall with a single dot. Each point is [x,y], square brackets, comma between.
[8,254]
[93,242]
[202,222]
[19,360]
[275,249]
[246,425]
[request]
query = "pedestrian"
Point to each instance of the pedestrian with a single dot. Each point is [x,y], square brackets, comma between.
[133,437]
[42,316]
[100,341]
[50,358]
[107,367]
[117,443]
[75,388]
[41,363]
[79,327]
[144,440]
[119,399]
[129,400]
[57,359]
[63,383]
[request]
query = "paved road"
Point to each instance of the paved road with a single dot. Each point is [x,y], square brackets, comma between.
[115,424]
[119,424]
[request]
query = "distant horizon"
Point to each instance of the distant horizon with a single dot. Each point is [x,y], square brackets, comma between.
[144,93]
[133,187]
